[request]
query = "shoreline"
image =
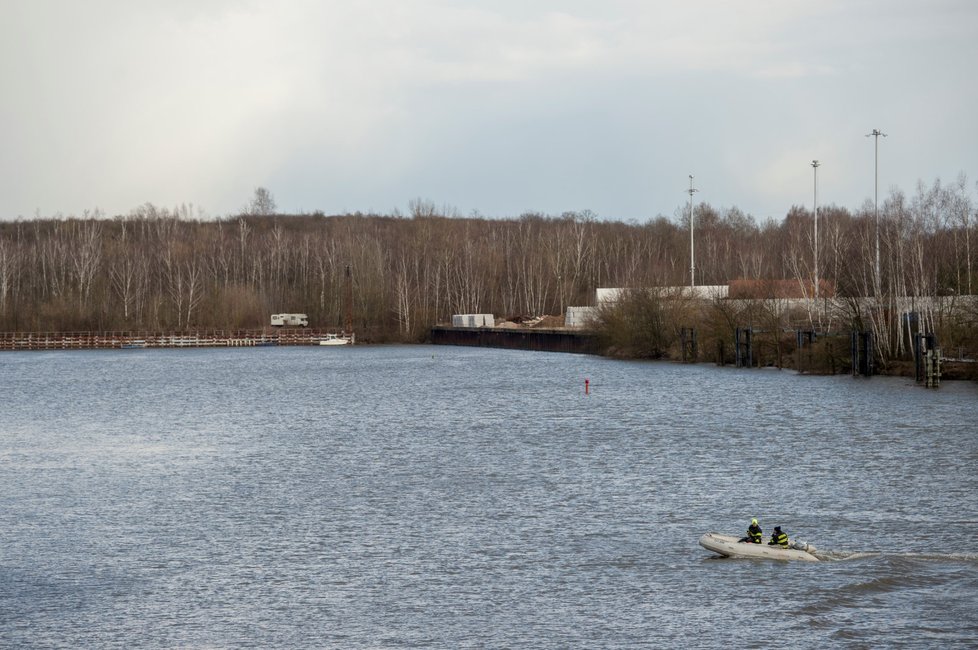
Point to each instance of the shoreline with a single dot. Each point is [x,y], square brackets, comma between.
[544,340]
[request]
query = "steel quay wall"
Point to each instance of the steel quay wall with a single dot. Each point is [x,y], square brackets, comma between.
[515,339]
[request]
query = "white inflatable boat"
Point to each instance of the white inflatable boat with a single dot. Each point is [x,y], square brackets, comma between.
[731,546]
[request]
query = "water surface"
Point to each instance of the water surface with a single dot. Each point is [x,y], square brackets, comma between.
[417,496]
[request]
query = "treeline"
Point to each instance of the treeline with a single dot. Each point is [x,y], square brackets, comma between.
[159,269]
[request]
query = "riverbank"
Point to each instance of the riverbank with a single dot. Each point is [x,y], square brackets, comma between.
[538,339]
[824,358]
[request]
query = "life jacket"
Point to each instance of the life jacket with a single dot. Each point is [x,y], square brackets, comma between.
[779,539]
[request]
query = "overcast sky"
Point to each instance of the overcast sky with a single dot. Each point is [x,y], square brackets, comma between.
[492,106]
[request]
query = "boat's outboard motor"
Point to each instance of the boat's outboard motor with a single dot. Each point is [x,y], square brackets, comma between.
[802,546]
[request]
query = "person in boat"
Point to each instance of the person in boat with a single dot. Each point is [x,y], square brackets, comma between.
[754,533]
[778,538]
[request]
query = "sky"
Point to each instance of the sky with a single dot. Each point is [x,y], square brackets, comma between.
[485,107]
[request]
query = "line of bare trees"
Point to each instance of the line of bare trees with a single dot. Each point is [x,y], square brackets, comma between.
[157,268]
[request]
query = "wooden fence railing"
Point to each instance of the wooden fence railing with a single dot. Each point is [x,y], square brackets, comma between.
[170,339]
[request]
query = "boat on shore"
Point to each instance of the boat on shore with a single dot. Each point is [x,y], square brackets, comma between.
[731,546]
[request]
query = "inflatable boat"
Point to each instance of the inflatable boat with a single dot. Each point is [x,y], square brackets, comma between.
[731,546]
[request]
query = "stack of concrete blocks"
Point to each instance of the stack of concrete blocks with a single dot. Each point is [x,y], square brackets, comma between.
[473,320]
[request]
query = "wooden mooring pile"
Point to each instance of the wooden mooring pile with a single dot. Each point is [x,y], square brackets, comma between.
[927,360]
[927,356]
[172,339]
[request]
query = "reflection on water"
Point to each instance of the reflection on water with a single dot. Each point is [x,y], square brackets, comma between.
[452,497]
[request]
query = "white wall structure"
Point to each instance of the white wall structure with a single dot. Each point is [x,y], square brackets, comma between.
[579,317]
[704,292]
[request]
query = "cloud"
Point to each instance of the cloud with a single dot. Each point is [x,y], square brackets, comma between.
[506,105]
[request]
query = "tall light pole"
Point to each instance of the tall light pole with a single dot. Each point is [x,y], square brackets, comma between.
[815,164]
[692,258]
[876,201]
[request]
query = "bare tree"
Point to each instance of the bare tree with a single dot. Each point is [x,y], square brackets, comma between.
[9,262]
[262,203]
[404,294]
[85,254]
[127,271]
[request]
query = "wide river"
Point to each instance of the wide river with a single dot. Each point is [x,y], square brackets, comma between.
[419,496]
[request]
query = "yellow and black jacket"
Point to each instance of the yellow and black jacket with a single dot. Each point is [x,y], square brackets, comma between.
[778,538]
[754,534]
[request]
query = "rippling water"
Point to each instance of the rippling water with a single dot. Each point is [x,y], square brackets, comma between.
[452,497]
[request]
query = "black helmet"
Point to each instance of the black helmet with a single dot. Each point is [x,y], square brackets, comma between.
[777,528]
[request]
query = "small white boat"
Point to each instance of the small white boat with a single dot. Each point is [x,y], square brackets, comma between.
[731,546]
[336,339]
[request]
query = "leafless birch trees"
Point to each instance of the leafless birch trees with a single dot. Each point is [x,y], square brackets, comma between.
[158,268]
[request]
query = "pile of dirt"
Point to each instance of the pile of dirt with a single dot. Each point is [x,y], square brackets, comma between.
[549,322]
[535,322]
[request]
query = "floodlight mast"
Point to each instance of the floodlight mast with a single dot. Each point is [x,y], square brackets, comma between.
[876,133]
[815,165]
[692,258]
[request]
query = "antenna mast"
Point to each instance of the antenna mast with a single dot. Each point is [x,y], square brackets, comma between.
[692,258]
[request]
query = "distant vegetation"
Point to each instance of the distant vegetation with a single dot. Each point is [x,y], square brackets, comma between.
[160,269]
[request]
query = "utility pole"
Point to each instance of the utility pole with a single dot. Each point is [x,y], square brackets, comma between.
[349,301]
[692,258]
[815,164]
[876,202]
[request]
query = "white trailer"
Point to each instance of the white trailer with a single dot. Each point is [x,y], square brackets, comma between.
[290,320]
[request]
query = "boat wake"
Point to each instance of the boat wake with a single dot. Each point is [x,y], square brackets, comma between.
[838,556]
